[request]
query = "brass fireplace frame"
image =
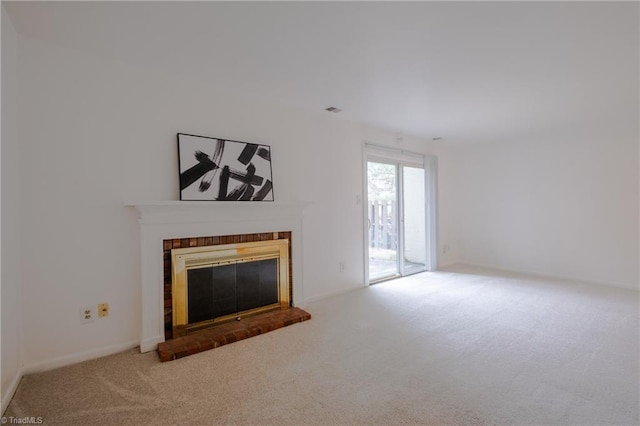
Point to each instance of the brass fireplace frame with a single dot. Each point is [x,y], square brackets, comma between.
[183,259]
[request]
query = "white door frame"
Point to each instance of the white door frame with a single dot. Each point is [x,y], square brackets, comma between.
[391,155]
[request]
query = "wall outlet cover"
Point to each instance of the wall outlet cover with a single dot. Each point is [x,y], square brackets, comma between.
[103,310]
[87,314]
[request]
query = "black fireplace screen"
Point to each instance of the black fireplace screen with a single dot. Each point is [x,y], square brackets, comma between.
[216,291]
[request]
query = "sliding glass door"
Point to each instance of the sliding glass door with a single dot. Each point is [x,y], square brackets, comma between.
[414,256]
[397,225]
[383,220]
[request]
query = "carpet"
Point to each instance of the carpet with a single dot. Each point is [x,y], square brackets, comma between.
[466,346]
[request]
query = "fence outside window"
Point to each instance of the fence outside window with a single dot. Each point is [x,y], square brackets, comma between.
[382,225]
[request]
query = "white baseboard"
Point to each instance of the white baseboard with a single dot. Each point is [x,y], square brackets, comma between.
[150,344]
[333,293]
[13,387]
[448,263]
[78,357]
[548,275]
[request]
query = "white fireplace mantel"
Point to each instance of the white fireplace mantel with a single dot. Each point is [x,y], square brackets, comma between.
[162,220]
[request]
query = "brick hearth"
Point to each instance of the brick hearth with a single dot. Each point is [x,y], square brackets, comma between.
[229,332]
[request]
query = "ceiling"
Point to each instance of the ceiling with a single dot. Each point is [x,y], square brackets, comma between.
[463,71]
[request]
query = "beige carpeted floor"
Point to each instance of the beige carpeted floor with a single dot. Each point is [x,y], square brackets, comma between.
[461,347]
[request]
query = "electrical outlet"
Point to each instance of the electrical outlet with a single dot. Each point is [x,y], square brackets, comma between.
[87,315]
[103,310]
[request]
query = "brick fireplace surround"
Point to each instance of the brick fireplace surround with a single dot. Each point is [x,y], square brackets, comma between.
[222,334]
[191,223]
[204,242]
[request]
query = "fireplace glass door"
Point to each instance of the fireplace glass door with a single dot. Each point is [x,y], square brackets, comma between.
[222,290]
[226,282]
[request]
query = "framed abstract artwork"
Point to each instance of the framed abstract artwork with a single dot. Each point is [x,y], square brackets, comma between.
[213,169]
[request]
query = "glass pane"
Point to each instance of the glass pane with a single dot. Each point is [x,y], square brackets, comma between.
[225,300]
[383,223]
[200,296]
[257,284]
[415,248]
[211,292]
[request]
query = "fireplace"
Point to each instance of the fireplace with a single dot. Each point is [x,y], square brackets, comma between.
[220,283]
[167,225]
[222,289]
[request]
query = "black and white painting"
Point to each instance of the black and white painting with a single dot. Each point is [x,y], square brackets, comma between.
[222,170]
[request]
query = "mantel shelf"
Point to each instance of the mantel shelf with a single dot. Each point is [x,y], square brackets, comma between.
[217,204]
[150,212]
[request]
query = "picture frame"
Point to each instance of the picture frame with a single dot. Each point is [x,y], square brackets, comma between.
[215,169]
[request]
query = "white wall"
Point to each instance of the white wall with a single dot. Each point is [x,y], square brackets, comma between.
[561,203]
[95,133]
[11,342]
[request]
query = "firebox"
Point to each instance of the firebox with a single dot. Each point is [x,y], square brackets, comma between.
[228,282]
